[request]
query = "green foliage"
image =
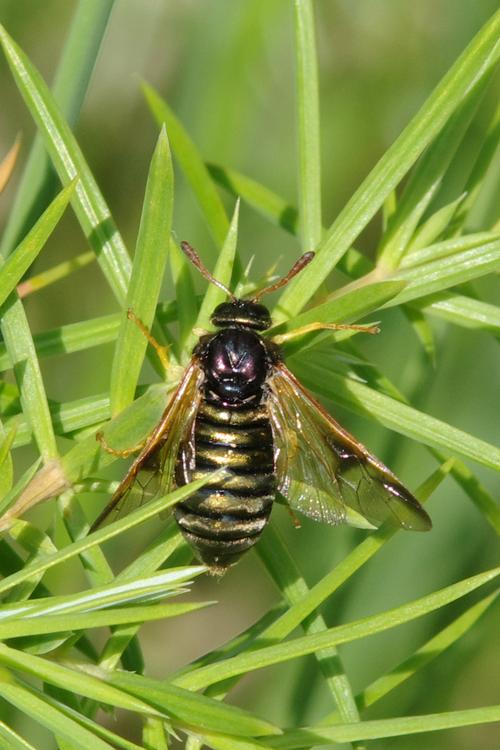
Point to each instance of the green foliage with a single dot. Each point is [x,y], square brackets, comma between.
[429,253]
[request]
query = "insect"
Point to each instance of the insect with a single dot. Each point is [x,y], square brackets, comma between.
[238,406]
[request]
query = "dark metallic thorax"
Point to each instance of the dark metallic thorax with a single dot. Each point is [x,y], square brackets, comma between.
[232,429]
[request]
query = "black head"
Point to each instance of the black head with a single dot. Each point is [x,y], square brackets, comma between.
[242,312]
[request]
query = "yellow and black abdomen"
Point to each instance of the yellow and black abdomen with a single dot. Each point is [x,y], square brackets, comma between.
[227,516]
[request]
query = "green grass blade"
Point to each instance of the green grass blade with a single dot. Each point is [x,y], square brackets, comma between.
[285,573]
[192,165]
[56,273]
[462,311]
[146,277]
[70,86]
[190,708]
[441,274]
[426,653]
[72,337]
[13,741]
[38,708]
[307,102]
[347,633]
[471,66]
[89,205]
[262,199]
[426,179]
[6,469]
[383,728]
[117,616]
[21,350]
[14,268]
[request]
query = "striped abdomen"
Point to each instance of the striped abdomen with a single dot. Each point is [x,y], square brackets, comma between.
[227,516]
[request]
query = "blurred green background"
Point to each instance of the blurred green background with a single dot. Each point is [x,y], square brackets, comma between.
[227,70]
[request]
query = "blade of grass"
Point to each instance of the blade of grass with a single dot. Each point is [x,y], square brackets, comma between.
[192,165]
[30,704]
[286,575]
[383,728]
[70,85]
[146,277]
[308,644]
[307,103]
[13,741]
[16,265]
[56,273]
[21,350]
[426,179]
[191,708]
[426,653]
[89,205]
[471,66]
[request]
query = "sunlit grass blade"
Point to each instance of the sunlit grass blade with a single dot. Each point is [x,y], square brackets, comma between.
[190,708]
[361,554]
[129,616]
[426,179]
[192,165]
[446,248]
[91,210]
[72,337]
[16,265]
[38,708]
[56,273]
[13,741]
[438,275]
[70,679]
[69,88]
[222,272]
[258,196]
[472,65]
[286,575]
[22,355]
[147,274]
[383,728]
[347,633]
[117,592]
[426,653]
[6,470]
[462,311]
[307,103]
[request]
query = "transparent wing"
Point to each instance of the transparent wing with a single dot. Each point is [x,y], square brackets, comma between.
[325,473]
[153,469]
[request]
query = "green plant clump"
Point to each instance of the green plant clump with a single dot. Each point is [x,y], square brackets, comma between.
[407,616]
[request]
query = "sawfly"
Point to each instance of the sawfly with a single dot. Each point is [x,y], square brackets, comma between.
[238,406]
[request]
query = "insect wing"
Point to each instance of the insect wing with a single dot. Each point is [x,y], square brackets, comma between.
[160,452]
[325,473]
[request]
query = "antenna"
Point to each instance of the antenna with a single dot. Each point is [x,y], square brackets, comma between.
[297,267]
[195,259]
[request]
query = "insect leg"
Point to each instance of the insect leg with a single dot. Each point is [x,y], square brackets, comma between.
[114,451]
[162,351]
[311,327]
